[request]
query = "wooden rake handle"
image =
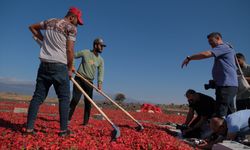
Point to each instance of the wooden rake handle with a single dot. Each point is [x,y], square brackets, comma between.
[106,96]
[92,102]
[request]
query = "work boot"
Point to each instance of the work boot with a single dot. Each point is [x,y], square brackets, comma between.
[64,133]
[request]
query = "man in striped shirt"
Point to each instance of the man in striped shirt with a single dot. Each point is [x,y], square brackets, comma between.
[56,56]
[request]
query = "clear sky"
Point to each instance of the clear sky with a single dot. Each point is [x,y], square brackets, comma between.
[147,40]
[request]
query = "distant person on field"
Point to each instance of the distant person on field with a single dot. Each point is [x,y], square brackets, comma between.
[56,56]
[91,63]
[243,99]
[224,73]
[204,106]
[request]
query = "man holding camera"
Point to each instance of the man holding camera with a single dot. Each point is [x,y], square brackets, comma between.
[204,106]
[224,73]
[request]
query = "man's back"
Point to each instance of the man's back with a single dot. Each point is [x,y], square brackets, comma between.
[57,31]
[205,106]
[238,121]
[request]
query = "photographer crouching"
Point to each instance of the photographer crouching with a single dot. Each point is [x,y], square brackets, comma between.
[223,72]
[204,106]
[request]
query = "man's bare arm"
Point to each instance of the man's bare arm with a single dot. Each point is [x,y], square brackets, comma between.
[36,31]
[70,55]
[190,116]
[201,55]
[200,122]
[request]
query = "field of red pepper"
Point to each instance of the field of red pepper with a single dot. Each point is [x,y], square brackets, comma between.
[94,136]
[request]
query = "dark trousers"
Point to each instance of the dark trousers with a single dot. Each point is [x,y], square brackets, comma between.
[225,96]
[77,96]
[55,74]
[242,104]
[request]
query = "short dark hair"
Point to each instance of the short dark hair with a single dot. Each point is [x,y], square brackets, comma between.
[240,56]
[70,14]
[214,35]
[190,91]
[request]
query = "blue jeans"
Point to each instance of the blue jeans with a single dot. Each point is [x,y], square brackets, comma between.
[225,97]
[55,74]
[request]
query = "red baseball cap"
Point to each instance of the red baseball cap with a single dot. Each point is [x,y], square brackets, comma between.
[78,13]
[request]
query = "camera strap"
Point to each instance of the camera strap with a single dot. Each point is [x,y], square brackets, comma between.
[238,66]
[243,84]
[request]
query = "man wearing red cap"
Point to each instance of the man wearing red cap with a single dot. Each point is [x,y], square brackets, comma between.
[56,56]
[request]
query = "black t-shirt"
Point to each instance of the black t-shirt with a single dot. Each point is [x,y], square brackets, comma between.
[205,106]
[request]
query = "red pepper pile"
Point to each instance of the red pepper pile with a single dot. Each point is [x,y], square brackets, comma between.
[150,108]
[94,136]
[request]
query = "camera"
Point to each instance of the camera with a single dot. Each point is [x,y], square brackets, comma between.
[211,85]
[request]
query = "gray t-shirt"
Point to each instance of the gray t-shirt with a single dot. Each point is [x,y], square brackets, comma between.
[57,32]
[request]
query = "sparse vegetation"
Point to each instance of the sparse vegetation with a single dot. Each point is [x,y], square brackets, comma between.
[120,97]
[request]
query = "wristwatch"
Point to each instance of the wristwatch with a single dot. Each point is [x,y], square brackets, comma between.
[188,58]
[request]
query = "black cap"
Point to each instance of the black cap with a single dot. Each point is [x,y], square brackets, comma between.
[99,41]
[190,91]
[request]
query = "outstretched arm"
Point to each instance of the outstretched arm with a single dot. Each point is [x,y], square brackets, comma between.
[201,55]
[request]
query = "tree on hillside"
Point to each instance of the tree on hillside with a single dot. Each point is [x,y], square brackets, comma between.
[120,97]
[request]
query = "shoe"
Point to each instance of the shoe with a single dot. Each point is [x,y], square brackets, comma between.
[64,133]
[29,133]
[85,124]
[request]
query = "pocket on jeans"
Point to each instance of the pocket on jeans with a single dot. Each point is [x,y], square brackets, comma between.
[62,75]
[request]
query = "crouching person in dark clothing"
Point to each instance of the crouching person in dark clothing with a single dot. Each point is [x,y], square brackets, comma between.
[204,106]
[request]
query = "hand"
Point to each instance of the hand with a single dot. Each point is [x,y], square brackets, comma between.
[203,145]
[100,87]
[70,73]
[185,62]
[73,69]
[34,37]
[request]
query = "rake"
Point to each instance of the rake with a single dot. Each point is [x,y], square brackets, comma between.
[116,132]
[138,128]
